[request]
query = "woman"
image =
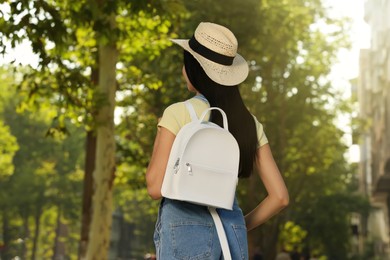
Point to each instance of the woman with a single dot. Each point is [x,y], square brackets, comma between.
[212,70]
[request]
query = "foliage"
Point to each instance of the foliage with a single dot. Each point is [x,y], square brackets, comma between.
[290,54]
[9,147]
[292,236]
[46,181]
[321,227]
[68,44]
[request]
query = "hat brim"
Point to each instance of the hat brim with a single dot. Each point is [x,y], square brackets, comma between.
[231,75]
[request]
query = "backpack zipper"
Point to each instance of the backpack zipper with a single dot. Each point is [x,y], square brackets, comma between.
[176,166]
[189,168]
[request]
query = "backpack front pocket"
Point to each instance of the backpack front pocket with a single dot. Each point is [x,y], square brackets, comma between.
[206,185]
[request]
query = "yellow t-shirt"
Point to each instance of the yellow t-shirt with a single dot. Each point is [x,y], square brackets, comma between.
[176,116]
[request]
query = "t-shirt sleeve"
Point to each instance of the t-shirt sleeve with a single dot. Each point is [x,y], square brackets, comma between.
[261,137]
[172,118]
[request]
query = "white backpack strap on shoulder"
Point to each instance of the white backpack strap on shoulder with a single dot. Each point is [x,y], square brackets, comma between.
[191,110]
[221,234]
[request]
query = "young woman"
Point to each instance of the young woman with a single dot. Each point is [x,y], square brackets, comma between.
[212,69]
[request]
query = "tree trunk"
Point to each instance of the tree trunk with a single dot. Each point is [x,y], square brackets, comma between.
[87,193]
[59,249]
[104,172]
[57,233]
[26,230]
[37,220]
[5,253]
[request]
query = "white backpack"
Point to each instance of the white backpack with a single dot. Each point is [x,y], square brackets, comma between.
[203,167]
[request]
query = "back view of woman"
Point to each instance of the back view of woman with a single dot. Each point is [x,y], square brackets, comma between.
[213,70]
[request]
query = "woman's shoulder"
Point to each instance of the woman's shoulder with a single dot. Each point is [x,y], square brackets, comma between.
[178,106]
[175,111]
[262,138]
[177,114]
[257,122]
[174,117]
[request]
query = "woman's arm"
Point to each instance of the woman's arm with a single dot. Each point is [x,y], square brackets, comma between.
[277,197]
[158,162]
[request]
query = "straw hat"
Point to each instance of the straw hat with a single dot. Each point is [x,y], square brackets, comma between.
[215,48]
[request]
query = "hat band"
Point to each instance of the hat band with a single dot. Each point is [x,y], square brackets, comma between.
[209,54]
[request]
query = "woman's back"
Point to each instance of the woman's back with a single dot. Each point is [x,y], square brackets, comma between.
[185,230]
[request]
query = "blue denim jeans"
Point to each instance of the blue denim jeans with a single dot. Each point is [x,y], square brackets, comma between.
[186,231]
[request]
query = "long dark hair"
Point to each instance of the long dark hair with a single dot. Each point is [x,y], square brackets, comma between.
[228,98]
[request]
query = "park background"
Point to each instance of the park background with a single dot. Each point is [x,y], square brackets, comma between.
[78,119]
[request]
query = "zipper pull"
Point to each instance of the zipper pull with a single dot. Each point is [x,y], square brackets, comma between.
[176,166]
[189,168]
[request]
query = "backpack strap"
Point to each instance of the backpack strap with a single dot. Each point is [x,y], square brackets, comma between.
[224,117]
[221,234]
[214,214]
[194,117]
[191,110]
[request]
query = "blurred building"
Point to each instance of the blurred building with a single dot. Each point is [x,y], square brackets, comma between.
[374,100]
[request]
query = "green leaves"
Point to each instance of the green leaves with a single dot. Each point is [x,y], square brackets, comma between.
[8,148]
[43,173]
[292,236]
[290,55]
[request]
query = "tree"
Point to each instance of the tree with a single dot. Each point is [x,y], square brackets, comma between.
[44,184]
[8,146]
[81,51]
[287,89]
